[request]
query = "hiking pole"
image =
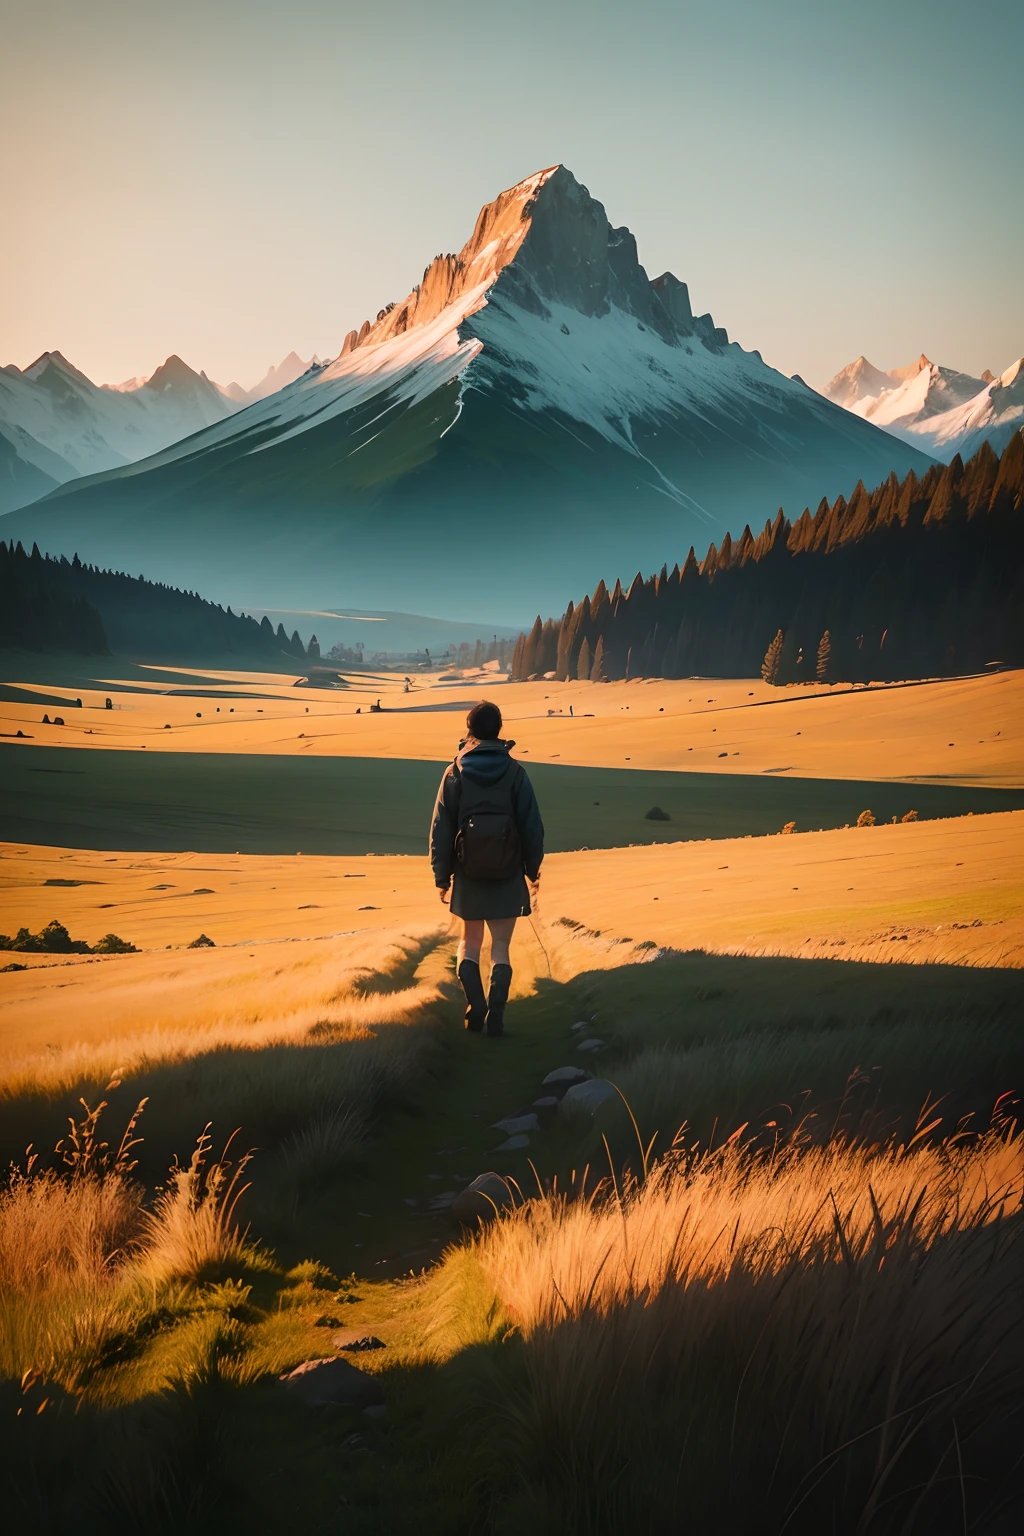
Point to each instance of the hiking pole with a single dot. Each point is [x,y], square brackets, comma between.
[536,933]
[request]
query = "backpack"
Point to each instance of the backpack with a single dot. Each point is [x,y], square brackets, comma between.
[487,843]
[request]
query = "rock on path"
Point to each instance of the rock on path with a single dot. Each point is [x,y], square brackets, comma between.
[563,1075]
[513,1125]
[332,1384]
[481,1200]
[590,1095]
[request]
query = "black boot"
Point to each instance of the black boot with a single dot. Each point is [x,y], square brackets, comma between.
[501,980]
[469,980]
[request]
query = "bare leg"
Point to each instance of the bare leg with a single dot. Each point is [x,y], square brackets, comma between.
[501,930]
[472,939]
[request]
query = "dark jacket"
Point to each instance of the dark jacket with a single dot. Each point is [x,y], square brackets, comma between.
[485,762]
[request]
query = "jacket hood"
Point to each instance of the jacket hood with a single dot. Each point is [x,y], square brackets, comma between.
[484,762]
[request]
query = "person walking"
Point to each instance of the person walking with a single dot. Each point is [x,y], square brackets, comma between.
[486,848]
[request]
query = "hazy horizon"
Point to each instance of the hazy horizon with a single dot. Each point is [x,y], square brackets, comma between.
[234,183]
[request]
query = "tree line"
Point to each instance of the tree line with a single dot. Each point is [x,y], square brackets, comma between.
[919,577]
[50,603]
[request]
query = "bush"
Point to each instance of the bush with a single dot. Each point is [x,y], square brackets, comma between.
[866,819]
[110,944]
[54,939]
[656,814]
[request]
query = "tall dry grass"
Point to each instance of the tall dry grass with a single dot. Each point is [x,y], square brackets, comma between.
[336,993]
[717,1041]
[815,1338]
[85,1258]
[300,1068]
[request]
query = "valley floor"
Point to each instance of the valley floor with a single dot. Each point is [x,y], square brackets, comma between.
[966,730]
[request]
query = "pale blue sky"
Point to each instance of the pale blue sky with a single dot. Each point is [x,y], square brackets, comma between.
[232,179]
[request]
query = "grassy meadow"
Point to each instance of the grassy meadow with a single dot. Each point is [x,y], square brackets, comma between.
[776,1274]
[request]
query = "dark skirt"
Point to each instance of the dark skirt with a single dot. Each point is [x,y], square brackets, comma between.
[475,899]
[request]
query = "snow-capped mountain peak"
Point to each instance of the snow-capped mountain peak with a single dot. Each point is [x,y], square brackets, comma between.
[942,410]
[536,387]
[859,380]
[901,375]
[929,391]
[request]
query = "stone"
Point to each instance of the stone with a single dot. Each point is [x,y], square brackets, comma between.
[332,1384]
[545,1105]
[514,1144]
[577,1028]
[483,1198]
[564,1075]
[593,1044]
[355,1341]
[590,1095]
[517,1123]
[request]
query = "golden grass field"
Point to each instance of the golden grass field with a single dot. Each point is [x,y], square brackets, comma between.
[824,1325]
[958,730]
[949,892]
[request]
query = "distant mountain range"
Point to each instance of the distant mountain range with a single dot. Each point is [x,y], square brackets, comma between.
[291,368]
[57,425]
[938,409]
[535,411]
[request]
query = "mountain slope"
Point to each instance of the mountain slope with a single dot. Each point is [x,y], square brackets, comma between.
[991,416]
[23,473]
[912,579]
[535,410]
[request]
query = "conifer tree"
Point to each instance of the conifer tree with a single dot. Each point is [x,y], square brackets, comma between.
[583,665]
[823,668]
[531,651]
[597,674]
[772,663]
[565,635]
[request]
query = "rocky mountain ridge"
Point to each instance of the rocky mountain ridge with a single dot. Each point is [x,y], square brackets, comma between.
[536,396]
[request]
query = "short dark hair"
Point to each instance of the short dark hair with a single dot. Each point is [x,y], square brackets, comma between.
[484,721]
